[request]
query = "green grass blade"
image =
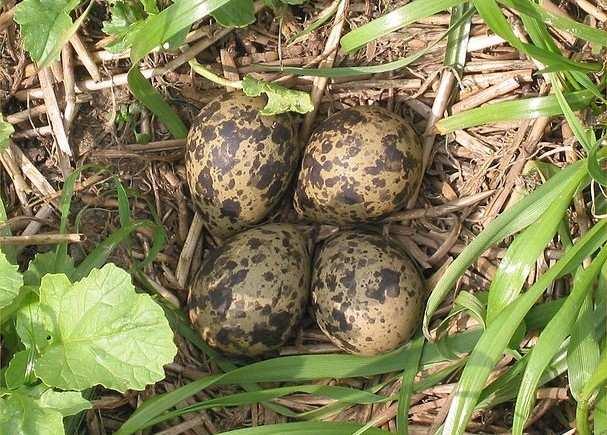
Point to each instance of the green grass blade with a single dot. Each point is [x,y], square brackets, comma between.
[584,353]
[594,163]
[519,216]
[495,19]
[406,387]
[583,135]
[598,378]
[397,19]
[525,108]
[145,92]
[306,428]
[495,339]
[457,42]
[352,71]
[161,27]
[561,22]
[342,394]
[323,17]
[103,250]
[551,338]
[158,404]
[600,412]
[521,257]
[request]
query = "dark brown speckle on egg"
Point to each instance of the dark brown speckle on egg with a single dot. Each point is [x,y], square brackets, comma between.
[239,163]
[249,308]
[359,165]
[371,308]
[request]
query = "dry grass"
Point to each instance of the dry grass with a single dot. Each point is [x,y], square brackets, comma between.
[472,175]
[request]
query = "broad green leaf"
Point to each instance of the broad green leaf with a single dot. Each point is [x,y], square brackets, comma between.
[521,257]
[21,414]
[126,18]
[6,131]
[27,412]
[45,263]
[10,281]
[236,13]
[397,19]
[552,337]
[519,216]
[19,370]
[100,331]
[46,26]
[525,108]
[280,99]
[65,402]
[495,339]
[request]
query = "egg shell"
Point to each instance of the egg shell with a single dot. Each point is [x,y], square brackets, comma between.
[238,162]
[359,165]
[367,295]
[250,294]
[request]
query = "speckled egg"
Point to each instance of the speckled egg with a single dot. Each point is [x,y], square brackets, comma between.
[250,294]
[367,295]
[360,164]
[239,163]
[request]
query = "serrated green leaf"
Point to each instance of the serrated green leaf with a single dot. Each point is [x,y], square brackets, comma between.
[46,26]
[236,13]
[65,402]
[280,99]
[38,410]
[20,370]
[6,131]
[21,414]
[10,281]
[100,331]
[127,17]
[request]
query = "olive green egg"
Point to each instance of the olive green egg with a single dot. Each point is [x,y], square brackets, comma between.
[367,295]
[250,294]
[238,162]
[359,165]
